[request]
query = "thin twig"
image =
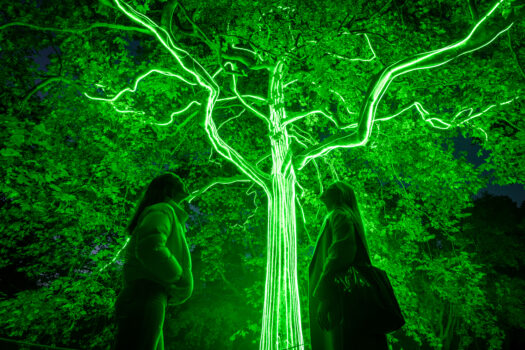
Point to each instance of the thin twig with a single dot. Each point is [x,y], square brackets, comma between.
[514,54]
[33,344]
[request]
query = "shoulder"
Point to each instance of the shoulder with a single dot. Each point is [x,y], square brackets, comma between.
[341,217]
[341,214]
[161,208]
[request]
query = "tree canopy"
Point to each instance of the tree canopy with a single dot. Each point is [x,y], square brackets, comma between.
[74,168]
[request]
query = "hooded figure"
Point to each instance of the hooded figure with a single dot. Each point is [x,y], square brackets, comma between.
[157,268]
[341,243]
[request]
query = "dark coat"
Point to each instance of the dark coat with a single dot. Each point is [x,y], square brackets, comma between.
[158,248]
[339,245]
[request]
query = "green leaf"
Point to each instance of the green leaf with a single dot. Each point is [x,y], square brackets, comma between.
[9,152]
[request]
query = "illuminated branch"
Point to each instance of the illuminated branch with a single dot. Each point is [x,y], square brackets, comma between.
[245,56]
[77,31]
[169,17]
[290,83]
[183,58]
[230,119]
[480,36]
[263,158]
[218,181]
[364,31]
[178,112]
[344,102]
[137,81]
[473,10]
[243,96]
[298,116]
[229,153]
[115,257]
[356,59]
[42,85]
[295,118]
[253,46]
[253,110]
[203,78]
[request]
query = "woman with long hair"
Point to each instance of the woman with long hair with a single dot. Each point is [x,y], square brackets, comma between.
[157,268]
[341,244]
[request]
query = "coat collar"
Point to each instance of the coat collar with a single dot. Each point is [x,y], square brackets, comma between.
[181,213]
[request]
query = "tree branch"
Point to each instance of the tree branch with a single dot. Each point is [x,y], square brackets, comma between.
[298,116]
[76,31]
[253,110]
[218,181]
[204,79]
[42,85]
[520,66]
[483,33]
[169,17]
[473,10]
[33,344]
[229,284]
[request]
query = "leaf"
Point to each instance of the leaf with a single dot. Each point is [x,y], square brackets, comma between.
[9,152]
[55,187]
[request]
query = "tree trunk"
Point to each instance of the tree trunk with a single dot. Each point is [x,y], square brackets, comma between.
[281,324]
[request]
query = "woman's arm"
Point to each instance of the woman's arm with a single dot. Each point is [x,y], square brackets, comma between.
[152,234]
[340,255]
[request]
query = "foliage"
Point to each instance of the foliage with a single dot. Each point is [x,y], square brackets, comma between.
[73,168]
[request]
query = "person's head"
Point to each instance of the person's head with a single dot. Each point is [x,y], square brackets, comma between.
[165,187]
[339,194]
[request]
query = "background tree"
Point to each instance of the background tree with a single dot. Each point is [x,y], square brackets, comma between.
[409,202]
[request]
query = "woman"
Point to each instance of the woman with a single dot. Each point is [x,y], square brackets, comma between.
[341,244]
[157,268]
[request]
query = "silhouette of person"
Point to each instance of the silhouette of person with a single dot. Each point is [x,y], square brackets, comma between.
[341,243]
[157,268]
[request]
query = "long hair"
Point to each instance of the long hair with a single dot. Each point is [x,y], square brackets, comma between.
[167,185]
[343,196]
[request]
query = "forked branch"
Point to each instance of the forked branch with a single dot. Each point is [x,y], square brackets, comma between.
[484,32]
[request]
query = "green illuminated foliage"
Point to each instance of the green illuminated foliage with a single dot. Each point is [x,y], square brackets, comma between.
[260,105]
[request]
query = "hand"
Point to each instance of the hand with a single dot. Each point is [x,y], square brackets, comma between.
[328,315]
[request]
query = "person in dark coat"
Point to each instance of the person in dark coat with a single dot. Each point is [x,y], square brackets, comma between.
[340,244]
[157,268]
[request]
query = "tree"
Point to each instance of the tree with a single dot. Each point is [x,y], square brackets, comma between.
[309,62]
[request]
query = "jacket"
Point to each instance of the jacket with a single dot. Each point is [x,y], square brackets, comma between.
[158,251]
[338,246]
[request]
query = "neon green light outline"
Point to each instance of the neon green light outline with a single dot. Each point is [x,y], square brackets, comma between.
[281,289]
[384,82]
[135,86]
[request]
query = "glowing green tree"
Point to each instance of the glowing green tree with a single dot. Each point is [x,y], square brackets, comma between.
[72,167]
[281,325]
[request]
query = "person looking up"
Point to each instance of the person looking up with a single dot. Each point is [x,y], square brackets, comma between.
[157,268]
